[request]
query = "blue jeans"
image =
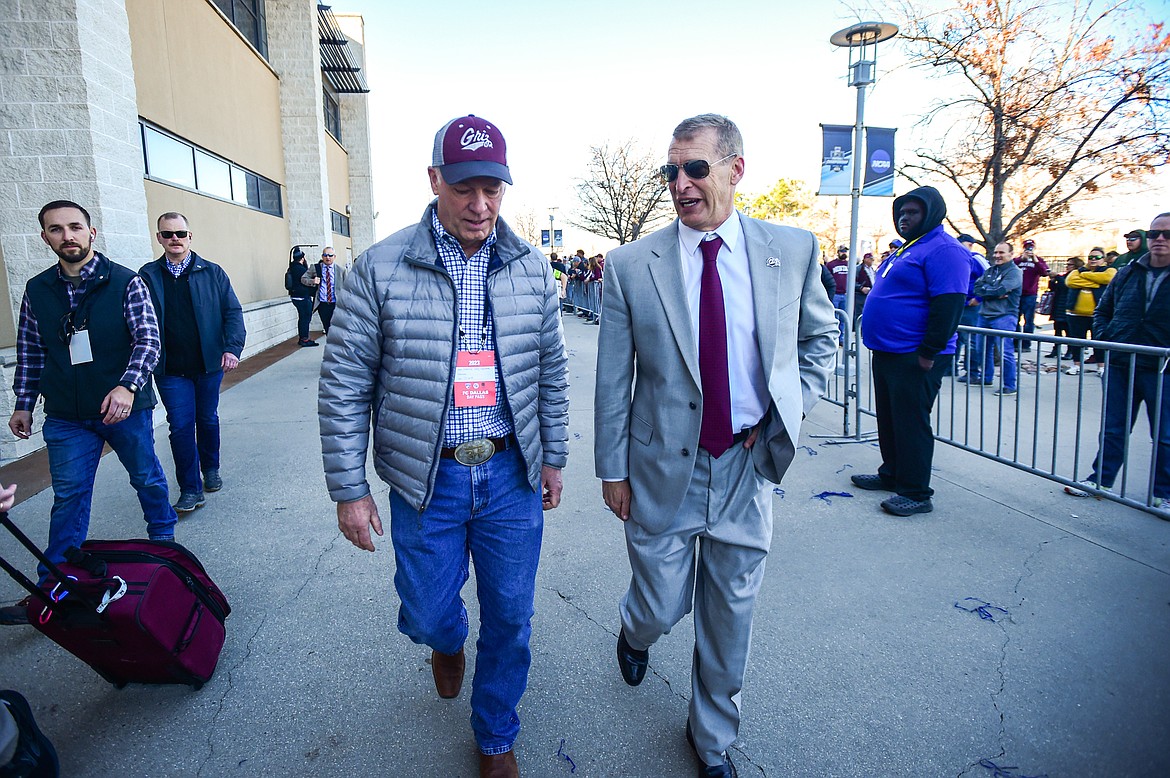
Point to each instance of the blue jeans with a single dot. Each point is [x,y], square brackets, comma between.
[1117,427]
[839,304]
[488,513]
[985,350]
[74,448]
[1028,312]
[193,415]
[304,308]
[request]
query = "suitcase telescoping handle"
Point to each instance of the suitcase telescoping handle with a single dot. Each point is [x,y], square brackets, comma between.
[20,577]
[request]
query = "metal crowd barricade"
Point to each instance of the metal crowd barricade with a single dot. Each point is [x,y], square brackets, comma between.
[1054,424]
[583,299]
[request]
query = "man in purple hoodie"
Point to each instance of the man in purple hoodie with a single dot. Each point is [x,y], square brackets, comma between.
[909,325]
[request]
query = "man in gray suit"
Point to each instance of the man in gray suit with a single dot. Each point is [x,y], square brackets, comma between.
[716,338]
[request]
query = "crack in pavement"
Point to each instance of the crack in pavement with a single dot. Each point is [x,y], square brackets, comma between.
[1000,670]
[316,566]
[248,653]
[227,691]
[666,681]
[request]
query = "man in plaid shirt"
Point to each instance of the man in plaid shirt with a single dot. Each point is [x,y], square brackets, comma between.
[87,342]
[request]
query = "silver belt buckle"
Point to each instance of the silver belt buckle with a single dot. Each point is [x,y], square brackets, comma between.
[474,452]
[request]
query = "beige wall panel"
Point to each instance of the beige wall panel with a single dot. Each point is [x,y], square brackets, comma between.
[338,162]
[251,246]
[342,247]
[197,78]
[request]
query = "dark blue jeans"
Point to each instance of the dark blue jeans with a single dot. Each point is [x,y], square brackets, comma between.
[490,514]
[985,350]
[1028,313]
[75,448]
[304,308]
[1117,427]
[839,304]
[193,415]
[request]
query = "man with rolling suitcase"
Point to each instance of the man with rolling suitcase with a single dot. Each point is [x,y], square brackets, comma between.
[87,342]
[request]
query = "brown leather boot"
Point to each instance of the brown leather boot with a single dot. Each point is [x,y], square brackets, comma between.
[498,766]
[448,672]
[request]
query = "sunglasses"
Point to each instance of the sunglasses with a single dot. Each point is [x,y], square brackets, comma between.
[329,256]
[168,234]
[696,168]
[1155,234]
[1096,256]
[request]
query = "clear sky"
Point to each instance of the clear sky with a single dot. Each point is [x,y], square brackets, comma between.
[557,78]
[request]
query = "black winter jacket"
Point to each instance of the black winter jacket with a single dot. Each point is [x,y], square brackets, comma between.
[1123,316]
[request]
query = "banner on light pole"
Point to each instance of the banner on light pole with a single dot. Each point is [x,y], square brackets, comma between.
[879,162]
[836,159]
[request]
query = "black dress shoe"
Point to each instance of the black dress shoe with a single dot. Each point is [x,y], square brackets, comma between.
[725,770]
[632,663]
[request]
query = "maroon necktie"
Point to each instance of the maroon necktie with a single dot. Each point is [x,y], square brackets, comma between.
[715,433]
[328,284]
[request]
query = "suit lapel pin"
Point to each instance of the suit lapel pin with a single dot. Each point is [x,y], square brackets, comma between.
[773,261]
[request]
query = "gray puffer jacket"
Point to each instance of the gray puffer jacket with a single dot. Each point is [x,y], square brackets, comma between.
[391,353]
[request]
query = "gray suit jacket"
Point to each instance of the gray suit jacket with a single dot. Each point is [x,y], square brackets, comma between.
[648,401]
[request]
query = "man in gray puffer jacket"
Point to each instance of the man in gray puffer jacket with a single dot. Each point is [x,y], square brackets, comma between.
[448,339]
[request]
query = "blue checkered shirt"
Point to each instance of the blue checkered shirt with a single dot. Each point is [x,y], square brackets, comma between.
[469,275]
[145,342]
[177,270]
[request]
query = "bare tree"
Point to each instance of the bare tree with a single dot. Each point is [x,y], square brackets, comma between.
[1054,101]
[524,225]
[622,194]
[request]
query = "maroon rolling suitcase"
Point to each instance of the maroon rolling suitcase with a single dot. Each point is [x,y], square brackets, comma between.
[136,611]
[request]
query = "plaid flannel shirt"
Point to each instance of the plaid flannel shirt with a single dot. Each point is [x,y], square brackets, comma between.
[145,341]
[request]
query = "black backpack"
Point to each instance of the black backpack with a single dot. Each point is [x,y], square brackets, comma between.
[290,283]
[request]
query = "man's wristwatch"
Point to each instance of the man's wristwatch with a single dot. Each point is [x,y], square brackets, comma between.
[129,387]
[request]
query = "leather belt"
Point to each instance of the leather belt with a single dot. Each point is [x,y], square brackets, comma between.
[478,451]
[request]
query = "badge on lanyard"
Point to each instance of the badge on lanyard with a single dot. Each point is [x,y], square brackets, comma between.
[475,379]
[80,351]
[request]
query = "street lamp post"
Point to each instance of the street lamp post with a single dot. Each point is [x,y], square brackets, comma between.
[552,234]
[861,40]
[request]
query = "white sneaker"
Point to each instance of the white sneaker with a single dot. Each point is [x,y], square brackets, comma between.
[1100,370]
[1073,370]
[1090,483]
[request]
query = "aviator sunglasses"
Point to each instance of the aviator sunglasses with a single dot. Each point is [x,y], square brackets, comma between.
[168,234]
[696,168]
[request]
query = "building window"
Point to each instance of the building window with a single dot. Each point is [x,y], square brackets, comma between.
[175,161]
[249,18]
[332,115]
[340,223]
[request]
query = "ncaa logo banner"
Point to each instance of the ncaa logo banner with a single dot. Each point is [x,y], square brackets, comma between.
[879,162]
[836,159]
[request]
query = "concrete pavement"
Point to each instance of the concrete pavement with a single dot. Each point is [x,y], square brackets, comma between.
[861,665]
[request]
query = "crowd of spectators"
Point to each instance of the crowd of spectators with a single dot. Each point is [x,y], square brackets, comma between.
[580,281]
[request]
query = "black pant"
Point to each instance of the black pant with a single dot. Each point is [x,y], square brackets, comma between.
[304,308]
[904,396]
[325,311]
[1078,327]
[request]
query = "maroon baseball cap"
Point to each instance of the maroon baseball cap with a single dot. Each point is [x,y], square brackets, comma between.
[468,147]
[1029,244]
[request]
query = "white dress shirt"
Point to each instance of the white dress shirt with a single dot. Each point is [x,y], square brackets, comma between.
[749,388]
